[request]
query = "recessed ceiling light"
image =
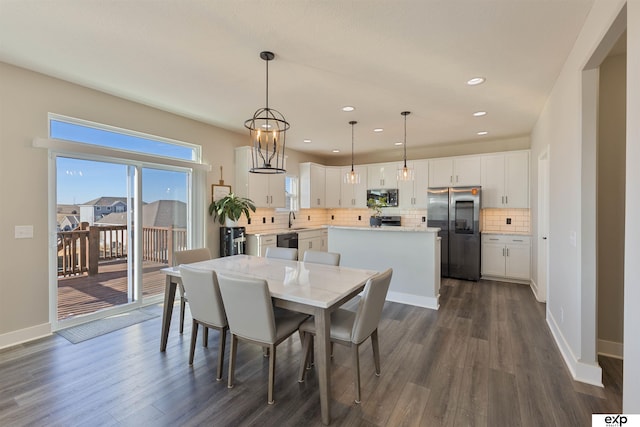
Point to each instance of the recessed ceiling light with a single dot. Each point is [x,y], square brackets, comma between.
[397,143]
[348,108]
[306,141]
[378,130]
[480,113]
[335,151]
[483,133]
[475,81]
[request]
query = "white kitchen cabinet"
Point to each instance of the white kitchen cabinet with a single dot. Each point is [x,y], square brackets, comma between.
[257,244]
[506,256]
[266,190]
[413,194]
[505,180]
[382,175]
[454,171]
[354,195]
[333,187]
[312,186]
[310,240]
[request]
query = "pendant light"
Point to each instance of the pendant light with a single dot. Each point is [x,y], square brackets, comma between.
[352,177]
[267,130]
[405,173]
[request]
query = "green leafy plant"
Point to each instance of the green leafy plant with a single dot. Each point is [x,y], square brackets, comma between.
[376,205]
[232,207]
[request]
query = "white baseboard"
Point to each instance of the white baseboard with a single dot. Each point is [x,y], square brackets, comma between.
[415,300]
[589,373]
[535,289]
[23,335]
[611,349]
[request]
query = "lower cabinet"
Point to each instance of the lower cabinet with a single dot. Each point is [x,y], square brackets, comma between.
[506,256]
[311,239]
[257,244]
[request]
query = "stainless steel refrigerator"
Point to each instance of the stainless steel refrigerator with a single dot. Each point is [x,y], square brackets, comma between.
[456,211]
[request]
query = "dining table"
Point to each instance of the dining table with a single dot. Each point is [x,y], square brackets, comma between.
[305,287]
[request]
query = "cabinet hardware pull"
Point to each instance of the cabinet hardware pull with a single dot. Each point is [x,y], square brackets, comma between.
[502,251]
[506,200]
[518,240]
[507,251]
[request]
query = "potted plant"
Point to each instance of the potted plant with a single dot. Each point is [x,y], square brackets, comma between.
[228,209]
[376,206]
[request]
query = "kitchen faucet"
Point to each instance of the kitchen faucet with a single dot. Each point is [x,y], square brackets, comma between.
[291,214]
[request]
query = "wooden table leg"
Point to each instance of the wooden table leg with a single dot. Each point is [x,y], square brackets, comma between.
[322,322]
[167,310]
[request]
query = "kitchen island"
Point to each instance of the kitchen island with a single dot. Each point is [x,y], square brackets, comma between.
[412,252]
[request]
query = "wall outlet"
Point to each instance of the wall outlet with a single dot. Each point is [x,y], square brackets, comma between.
[509,221]
[308,217]
[573,239]
[332,218]
[424,219]
[264,220]
[359,217]
[272,220]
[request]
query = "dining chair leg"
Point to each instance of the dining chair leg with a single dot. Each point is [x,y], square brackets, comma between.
[306,347]
[376,351]
[221,345]
[182,309]
[356,370]
[272,372]
[205,336]
[194,337]
[232,360]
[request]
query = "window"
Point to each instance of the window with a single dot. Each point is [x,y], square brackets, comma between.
[291,193]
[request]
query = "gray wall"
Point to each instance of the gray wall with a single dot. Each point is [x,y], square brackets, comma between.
[611,197]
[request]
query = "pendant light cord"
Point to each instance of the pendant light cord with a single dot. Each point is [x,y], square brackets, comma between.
[405,114]
[352,123]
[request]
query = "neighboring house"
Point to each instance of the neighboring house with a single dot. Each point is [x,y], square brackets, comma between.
[161,213]
[96,209]
[68,222]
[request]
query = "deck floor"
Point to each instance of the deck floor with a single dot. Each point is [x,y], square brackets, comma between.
[80,295]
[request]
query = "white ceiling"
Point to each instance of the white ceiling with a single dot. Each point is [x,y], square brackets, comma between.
[201,59]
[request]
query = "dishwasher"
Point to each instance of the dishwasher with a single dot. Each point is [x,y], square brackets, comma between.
[287,240]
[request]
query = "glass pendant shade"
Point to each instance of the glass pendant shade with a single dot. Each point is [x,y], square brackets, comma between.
[267,130]
[405,173]
[352,177]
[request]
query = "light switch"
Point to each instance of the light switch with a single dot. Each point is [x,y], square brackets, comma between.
[24,231]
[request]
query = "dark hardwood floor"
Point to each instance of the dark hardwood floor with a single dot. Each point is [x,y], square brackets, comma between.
[485,358]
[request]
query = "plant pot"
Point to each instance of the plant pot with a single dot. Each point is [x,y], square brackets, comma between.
[375,221]
[230,223]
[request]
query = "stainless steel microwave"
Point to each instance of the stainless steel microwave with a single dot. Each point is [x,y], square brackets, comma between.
[389,195]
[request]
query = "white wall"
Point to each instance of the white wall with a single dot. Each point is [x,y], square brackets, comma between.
[631,391]
[560,125]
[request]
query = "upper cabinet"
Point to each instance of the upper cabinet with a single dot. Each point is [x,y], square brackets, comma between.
[382,175]
[413,194]
[353,195]
[454,171]
[332,187]
[312,185]
[266,190]
[505,180]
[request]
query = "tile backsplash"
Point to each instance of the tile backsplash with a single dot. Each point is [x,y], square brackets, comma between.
[491,220]
[495,220]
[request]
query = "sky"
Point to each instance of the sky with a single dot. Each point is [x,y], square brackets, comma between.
[79,181]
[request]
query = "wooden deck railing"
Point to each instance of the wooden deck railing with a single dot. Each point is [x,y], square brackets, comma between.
[81,250]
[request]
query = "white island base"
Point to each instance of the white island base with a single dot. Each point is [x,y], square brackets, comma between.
[412,252]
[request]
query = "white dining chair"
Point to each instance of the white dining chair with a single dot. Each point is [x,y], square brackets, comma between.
[353,328]
[321,257]
[206,308]
[282,253]
[251,318]
[187,257]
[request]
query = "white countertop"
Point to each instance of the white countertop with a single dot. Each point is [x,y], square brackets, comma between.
[277,231]
[419,229]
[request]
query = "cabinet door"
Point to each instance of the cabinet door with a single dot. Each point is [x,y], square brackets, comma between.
[324,243]
[359,191]
[517,180]
[258,189]
[466,171]
[518,261]
[277,190]
[333,188]
[493,259]
[317,186]
[492,181]
[406,190]
[267,242]
[440,172]
[420,183]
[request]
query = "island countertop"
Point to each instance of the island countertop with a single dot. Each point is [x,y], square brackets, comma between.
[419,229]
